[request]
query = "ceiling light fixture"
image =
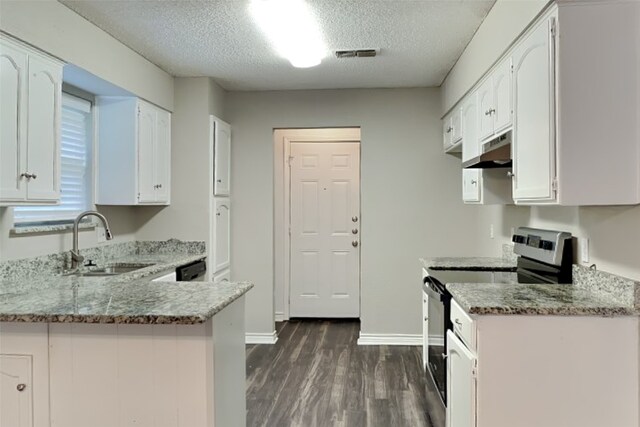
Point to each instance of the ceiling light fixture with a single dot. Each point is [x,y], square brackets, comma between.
[292,29]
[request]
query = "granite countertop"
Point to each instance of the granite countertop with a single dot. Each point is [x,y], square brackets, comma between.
[126,298]
[523,299]
[469,263]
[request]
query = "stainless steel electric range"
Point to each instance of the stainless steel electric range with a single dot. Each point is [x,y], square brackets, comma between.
[543,256]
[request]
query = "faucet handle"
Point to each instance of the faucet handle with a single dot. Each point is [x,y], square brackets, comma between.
[90,263]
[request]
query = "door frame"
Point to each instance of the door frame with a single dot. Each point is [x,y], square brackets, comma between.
[282,198]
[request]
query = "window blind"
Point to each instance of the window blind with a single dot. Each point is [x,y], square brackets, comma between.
[75,167]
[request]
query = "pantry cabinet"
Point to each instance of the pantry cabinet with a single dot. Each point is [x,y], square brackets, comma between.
[221,234]
[222,158]
[30,109]
[134,153]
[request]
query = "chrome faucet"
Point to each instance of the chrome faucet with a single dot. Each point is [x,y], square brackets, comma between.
[76,258]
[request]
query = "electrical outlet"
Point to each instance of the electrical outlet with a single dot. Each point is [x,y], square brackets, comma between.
[584,250]
[101,235]
[491,232]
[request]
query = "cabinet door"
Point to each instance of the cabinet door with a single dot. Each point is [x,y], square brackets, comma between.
[162,162]
[534,123]
[485,103]
[425,330]
[16,399]
[223,277]
[461,384]
[470,140]
[471,188]
[221,236]
[13,130]
[456,126]
[146,155]
[43,123]
[447,132]
[222,171]
[502,96]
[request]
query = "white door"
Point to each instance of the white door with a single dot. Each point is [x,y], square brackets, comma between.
[502,96]
[162,162]
[447,130]
[221,234]
[425,329]
[146,142]
[45,80]
[461,384]
[222,169]
[469,119]
[325,229]
[485,103]
[456,126]
[16,398]
[533,130]
[13,131]
[471,185]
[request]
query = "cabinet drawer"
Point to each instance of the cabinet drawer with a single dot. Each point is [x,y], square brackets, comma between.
[463,325]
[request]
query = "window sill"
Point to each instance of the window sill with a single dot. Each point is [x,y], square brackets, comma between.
[49,229]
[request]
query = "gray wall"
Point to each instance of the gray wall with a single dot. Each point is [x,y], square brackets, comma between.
[58,30]
[411,196]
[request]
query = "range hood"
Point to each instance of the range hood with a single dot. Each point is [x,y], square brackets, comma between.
[495,154]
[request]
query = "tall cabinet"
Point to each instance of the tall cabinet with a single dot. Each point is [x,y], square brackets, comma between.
[220,241]
[30,108]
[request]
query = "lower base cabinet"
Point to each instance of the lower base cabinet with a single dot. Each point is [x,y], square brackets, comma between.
[116,375]
[545,371]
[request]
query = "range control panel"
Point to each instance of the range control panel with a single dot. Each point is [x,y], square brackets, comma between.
[541,245]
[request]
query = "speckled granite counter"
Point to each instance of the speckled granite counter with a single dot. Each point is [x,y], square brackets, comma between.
[126,298]
[469,263]
[569,300]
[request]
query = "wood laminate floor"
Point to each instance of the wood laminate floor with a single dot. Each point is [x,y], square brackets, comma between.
[316,375]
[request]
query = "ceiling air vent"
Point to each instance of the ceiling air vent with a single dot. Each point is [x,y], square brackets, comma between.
[356,53]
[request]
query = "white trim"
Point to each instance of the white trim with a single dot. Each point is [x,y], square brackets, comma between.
[261,338]
[390,339]
[283,138]
[435,340]
[280,316]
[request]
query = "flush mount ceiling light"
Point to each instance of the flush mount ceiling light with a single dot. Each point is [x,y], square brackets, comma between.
[292,29]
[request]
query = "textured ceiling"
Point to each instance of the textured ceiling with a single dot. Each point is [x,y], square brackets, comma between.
[419,40]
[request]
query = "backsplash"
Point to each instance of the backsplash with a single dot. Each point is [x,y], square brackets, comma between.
[620,289]
[507,252]
[53,264]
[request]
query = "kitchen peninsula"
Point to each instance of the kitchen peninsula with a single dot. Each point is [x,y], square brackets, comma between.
[119,350]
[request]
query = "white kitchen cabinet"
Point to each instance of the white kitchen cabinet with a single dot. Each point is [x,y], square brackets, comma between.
[134,153]
[222,158]
[221,234]
[16,401]
[223,276]
[470,123]
[461,384]
[452,131]
[507,376]
[494,100]
[575,134]
[30,109]
[425,329]
[472,185]
[24,375]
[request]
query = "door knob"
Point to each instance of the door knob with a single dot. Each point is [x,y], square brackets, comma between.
[354,231]
[354,219]
[354,243]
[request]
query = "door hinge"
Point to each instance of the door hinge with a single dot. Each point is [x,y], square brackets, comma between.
[554,184]
[553,28]
[474,370]
[290,160]
[289,231]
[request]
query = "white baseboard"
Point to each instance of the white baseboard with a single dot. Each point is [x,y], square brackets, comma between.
[261,338]
[279,316]
[434,340]
[390,339]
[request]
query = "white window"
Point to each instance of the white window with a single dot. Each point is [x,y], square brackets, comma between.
[75,191]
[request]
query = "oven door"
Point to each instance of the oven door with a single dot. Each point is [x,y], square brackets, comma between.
[438,305]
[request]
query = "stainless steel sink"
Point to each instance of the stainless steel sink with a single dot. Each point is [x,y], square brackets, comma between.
[111,270]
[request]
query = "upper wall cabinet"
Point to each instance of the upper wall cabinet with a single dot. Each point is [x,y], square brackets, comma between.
[30,108]
[494,96]
[576,136]
[222,158]
[134,152]
[452,131]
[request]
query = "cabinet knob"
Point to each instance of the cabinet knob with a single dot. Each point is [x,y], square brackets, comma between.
[492,111]
[218,180]
[354,243]
[354,231]
[510,174]
[487,113]
[474,182]
[159,185]
[426,318]
[458,322]
[449,129]
[354,219]
[21,387]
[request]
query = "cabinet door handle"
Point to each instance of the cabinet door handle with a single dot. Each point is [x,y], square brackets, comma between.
[449,129]
[28,175]
[159,185]
[492,111]
[21,387]
[487,113]
[510,174]
[354,243]
[474,182]
[426,318]
[458,322]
